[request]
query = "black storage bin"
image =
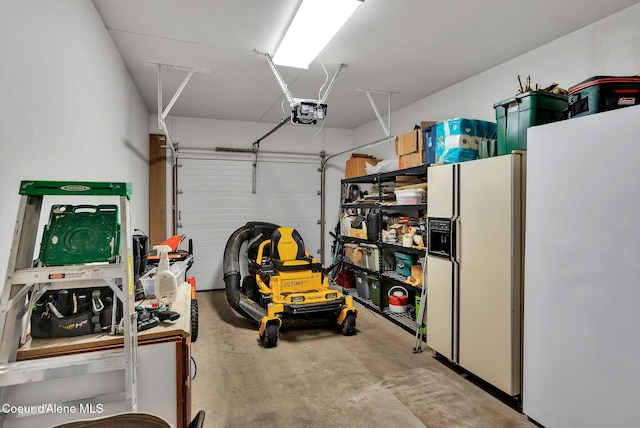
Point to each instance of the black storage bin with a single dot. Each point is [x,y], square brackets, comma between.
[602,93]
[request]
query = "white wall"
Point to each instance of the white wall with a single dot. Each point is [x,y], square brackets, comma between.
[70,110]
[608,47]
[210,133]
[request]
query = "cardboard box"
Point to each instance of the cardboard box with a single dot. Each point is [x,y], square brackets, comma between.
[416,272]
[410,160]
[399,228]
[358,233]
[356,166]
[353,254]
[411,142]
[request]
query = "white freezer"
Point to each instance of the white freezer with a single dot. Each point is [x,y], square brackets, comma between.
[582,295]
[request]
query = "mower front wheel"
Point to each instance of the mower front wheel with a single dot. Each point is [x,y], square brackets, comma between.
[270,336]
[348,326]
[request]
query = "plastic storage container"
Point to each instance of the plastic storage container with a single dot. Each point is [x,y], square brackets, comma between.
[148,283]
[362,285]
[404,263]
[378,294]
[77,234]
[516,115]
[410,196]
[371,255]
[429,138]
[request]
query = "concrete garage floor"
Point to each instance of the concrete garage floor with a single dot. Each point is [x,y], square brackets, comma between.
[318,378]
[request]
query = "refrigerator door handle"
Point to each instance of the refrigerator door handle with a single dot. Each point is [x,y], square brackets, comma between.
[455,279]
[455,239]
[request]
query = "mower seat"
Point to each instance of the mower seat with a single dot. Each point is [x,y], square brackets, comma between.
[287,250]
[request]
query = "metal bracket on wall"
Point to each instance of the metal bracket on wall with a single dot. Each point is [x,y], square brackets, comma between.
[386,128]
[162,114]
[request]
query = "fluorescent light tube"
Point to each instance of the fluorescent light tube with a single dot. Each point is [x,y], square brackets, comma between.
[313,27]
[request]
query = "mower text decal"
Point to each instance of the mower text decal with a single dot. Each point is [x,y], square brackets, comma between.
[297,283]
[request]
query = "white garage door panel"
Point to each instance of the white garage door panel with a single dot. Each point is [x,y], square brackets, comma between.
[216,200]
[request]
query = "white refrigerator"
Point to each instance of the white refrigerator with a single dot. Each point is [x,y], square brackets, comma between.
[475,267]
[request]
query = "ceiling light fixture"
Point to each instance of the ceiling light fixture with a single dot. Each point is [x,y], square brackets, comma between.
[312,28]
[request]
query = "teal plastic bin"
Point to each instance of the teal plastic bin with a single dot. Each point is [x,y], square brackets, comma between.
[516,115]
[404,263]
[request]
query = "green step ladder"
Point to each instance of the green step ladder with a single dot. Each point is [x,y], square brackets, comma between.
[24,284]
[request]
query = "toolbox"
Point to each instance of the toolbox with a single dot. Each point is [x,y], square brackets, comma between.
[602,93]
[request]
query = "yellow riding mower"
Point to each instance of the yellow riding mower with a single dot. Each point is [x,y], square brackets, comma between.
[277,283]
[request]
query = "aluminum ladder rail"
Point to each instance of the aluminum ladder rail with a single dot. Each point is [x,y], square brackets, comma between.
[421,319]
[22,279]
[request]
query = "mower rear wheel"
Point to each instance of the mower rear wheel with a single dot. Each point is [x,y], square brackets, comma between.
[348,326]
[270,336]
